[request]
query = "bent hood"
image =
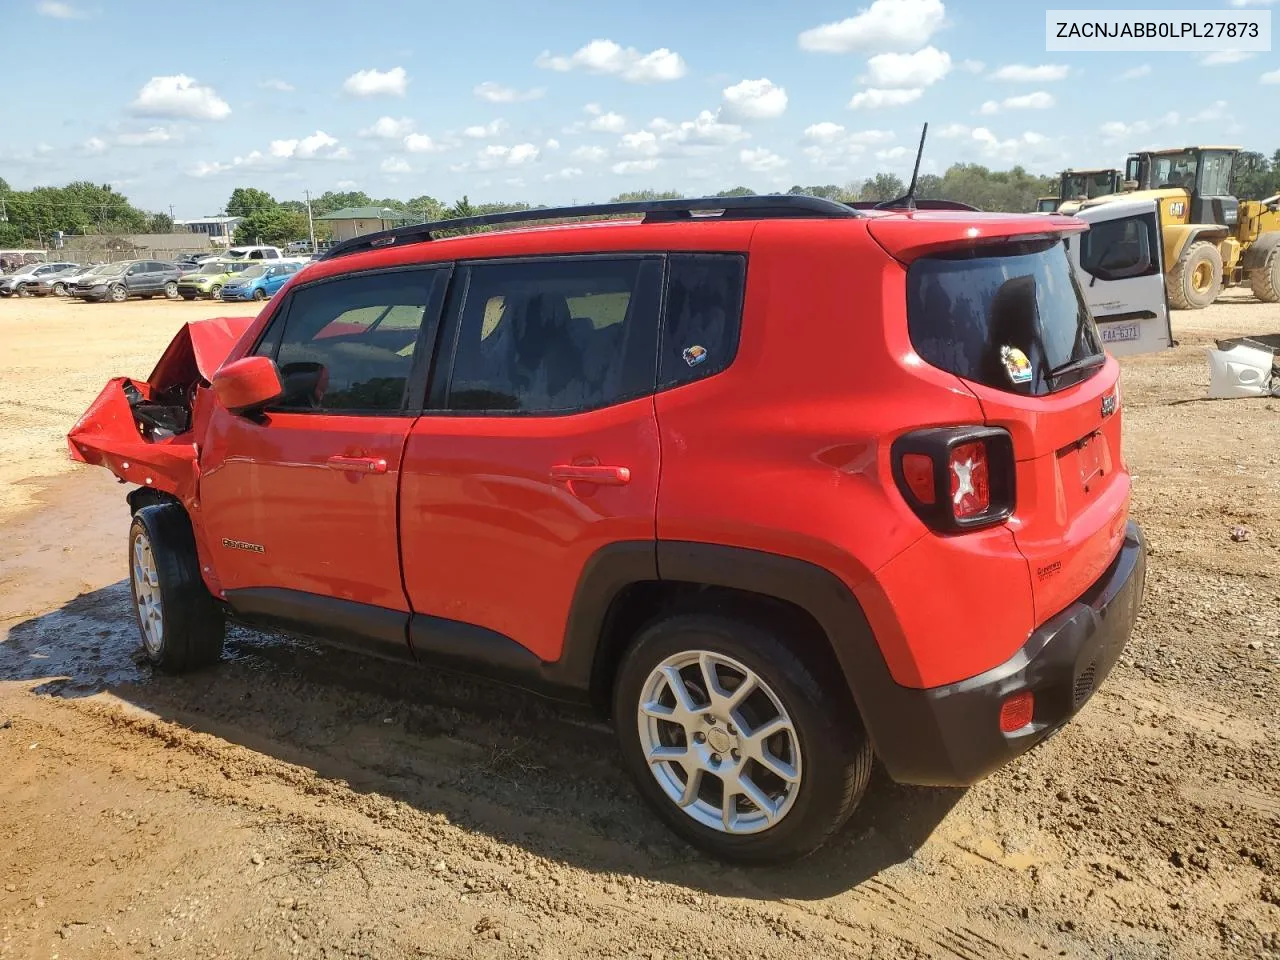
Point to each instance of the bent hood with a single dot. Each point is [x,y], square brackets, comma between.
[197,351]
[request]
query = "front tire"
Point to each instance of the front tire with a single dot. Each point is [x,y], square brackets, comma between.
[736,742]
[59,289]
[259,294]
[1196,279]
[24,290]
[118,294]
[1264,281]
[171,290]
[180,623]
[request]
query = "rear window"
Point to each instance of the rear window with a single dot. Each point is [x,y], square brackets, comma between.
[1011,317]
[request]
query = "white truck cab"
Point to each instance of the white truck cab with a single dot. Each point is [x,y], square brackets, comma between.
[254,253]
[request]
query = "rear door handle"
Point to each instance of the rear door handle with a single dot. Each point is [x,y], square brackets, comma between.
[592,473]
[358,464]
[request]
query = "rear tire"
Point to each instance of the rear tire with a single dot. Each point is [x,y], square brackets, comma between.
[24,291]
[1264,281]
[215,291]
[59,289]
[180,623]
[1196,279]
[171,290]
[822,752]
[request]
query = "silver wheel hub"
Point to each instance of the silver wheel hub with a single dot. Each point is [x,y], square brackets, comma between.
[719,742]
[146,595]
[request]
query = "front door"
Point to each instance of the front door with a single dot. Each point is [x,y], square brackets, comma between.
[1119,265]
[538,447]
[300,504]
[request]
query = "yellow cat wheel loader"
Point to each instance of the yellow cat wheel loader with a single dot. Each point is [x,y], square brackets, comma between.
[1211,239]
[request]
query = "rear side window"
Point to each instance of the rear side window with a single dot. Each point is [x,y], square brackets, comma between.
[703,316]
[348,344]
[1011,317]
[556,335]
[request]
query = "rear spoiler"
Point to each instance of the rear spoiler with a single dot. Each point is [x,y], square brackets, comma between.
[918,204]
[909,235]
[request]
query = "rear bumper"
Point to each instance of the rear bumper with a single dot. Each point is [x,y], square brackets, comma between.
[950,735]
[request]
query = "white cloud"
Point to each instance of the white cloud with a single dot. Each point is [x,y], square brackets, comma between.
[1271,77]
[1115,131]
[1013,150]
[761,160]
[885,25]
[1044,73]
[280,86]
[608,123]
[1251,3]
[705,130]
[377,83]
[635,166]
[318,146]
[954,131]
[204,168]
[568,173]
[95,146]
[179,96]
[1028,101]
[497,93]
[1219,58]
[395,165]
[486,130]
[907,70]
[590,154]
[642,142]
[389,128]
[60,11]
[255,160]
[972,66]
[824,132]
[421,143]
[496,155]
[607,57]
[755,100]
[1136,73]
[551,144]
[1215,111]
[149,137]
[875,99]
[893,153]
[347,184]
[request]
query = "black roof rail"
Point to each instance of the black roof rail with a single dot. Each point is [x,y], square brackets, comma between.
[655,211]
[919,205]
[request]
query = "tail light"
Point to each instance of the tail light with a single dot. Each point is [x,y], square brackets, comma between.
[956,478]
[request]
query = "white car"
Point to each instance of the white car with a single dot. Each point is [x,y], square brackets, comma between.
[253,253]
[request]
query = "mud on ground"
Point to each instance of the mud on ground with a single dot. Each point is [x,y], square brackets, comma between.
[304,802]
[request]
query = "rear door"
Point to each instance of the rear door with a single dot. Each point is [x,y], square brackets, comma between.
[538,447]
[1010,320]
[1119,262]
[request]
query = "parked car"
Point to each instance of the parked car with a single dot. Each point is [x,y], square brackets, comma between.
[51,284]
[254,253]
[779,485]
[118,282]
[259,282]
[20,282]
[208,279]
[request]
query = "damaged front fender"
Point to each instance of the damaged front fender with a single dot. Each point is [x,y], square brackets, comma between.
[142,431]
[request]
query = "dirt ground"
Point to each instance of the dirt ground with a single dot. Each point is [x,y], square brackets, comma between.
[300,802]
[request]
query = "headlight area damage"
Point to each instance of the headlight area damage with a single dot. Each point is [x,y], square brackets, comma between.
[142,431]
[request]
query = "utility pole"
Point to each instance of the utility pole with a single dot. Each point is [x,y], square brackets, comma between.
[311,225]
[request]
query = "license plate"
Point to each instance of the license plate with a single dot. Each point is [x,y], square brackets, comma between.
[1120,332]
[1090,457]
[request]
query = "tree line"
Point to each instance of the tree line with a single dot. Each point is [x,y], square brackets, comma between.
[31,217]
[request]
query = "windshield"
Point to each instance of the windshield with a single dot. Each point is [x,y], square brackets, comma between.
[100,269]
[1174,170]
[108,269]
[212,267]
[1005,316]
[1087,185]
[256,270]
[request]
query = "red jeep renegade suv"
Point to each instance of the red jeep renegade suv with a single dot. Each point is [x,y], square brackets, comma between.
[779,485]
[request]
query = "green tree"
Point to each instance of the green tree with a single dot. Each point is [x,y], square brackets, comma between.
[1252,177]
[639,195]
[272,226]
[883,186]
[330,201]
[461,208]
[247,200]
[294,206]
[735,192]
[160,223]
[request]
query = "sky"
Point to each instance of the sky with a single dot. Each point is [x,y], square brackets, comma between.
[577,101]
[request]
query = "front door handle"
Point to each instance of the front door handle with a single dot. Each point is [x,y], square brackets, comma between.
[358,464]
[592,473]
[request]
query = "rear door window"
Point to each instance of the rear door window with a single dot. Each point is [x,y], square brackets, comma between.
[1012,317]
[1120,249]
[555,335]
[703,316]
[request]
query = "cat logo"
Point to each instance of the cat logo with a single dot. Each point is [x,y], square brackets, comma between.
[242,545]
[1177,208]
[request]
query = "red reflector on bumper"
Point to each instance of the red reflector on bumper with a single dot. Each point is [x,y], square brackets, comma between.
[1016,712]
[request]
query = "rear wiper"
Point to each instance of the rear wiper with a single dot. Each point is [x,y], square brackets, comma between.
[1075,366]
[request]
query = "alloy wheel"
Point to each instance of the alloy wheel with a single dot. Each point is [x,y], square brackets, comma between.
[146,593]
[719,742]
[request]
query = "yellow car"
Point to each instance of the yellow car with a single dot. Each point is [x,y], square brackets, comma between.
[210,278]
